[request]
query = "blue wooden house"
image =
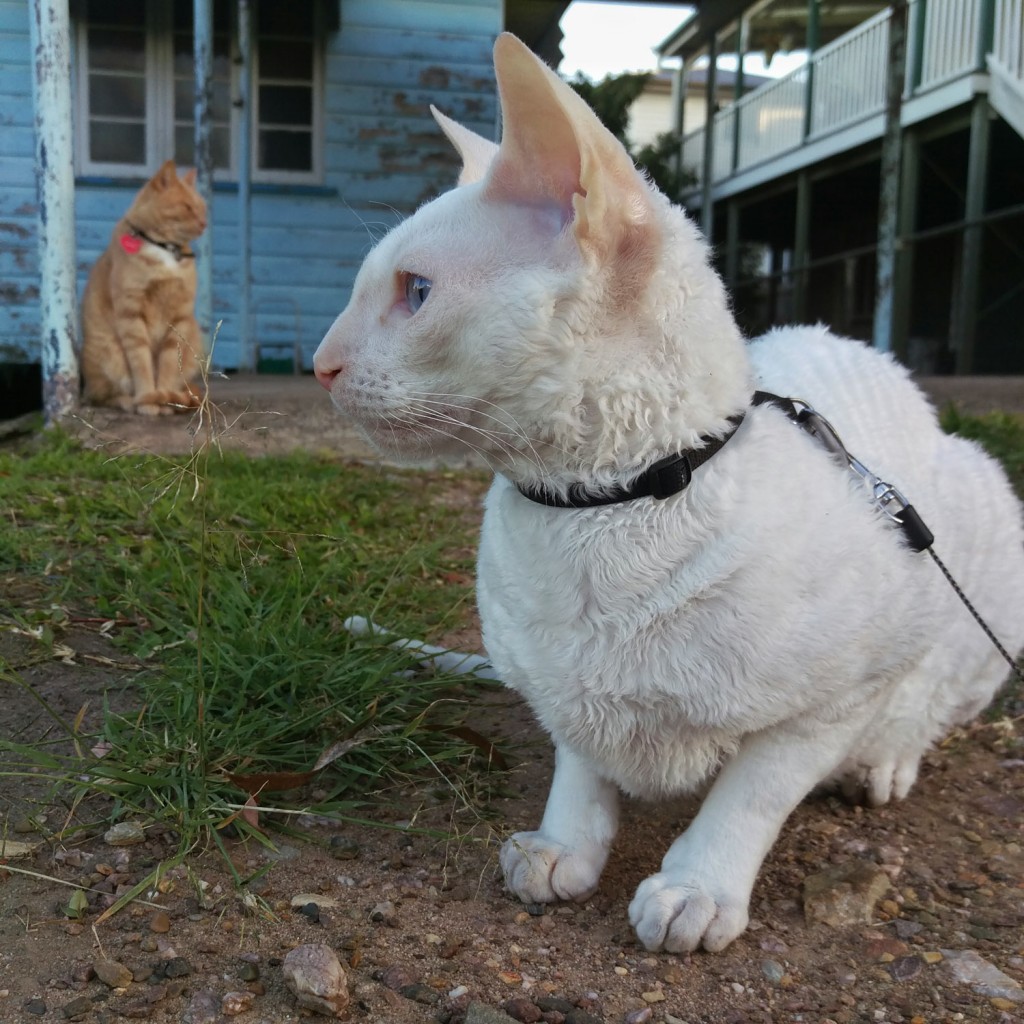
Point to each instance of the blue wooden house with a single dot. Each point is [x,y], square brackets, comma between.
[341,142]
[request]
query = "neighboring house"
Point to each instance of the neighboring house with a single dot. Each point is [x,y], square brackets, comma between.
[343,144]
[656,109]
[913,239]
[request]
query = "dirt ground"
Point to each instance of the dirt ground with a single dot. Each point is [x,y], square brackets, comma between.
[422,925]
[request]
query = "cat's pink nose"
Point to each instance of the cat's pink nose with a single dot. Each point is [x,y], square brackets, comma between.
[325,374]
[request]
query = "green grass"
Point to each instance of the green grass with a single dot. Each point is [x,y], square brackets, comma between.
[229,579]
[1000,433]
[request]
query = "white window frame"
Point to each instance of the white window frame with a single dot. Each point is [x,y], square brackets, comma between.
[315,176]
[159,123]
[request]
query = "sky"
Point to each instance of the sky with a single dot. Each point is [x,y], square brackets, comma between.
[608,38]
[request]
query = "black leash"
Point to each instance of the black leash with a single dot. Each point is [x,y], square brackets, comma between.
[886,499]
[673,473]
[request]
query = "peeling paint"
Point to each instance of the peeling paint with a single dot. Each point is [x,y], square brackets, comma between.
[13,295]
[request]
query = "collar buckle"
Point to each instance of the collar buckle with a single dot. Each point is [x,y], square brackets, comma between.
[669,476]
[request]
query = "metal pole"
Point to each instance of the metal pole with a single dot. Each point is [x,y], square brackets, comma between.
[203,60]
[50,35]
[707,212]
[247,352]
[889,189]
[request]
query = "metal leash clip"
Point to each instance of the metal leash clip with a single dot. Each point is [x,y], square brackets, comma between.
[884,496]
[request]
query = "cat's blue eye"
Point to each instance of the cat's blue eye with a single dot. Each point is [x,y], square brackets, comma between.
[417,288]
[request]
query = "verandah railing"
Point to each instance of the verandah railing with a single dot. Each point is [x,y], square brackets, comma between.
[843,83]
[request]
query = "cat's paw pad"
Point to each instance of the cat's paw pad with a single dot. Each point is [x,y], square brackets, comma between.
[669,912]
[540,870]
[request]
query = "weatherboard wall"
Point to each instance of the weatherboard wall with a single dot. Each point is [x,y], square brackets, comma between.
[382,156]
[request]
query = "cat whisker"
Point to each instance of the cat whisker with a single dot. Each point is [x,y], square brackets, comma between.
[505,419]
[498,438]
[505,455]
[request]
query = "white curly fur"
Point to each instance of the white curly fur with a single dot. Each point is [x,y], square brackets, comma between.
[764,627]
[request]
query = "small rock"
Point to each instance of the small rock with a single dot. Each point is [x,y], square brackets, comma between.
[149,944]
[112,973]
[82,973]
[316,978]
[480,1013]
[77,1007]
[203,1008]
[396,977]
[234,1003]
[773,971]
[555,1003]
[383,912]
[344,848]
[907,929]
[638,1016]
[968,968]
[160,922]
[654,996]
[311,912]
[419,993]
[522,1009]
[248,972]
[580,1016]
[845,894]
[904,968]
[35,1006]
[137,1009]
[175,967]
[124,833]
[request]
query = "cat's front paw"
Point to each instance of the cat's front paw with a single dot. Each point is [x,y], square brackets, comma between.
[675,913]
[538,869]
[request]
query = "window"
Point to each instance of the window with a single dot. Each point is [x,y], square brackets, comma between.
[136,88]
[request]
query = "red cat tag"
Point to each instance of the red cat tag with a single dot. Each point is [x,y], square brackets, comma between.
[131,244]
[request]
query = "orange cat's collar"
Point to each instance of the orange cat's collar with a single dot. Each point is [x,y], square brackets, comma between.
[132,243]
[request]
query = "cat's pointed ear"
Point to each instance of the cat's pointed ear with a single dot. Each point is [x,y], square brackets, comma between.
[476,151]
[555,151]
[166,176]
[190,177]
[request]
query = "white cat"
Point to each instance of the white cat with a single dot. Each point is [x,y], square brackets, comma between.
[764,626]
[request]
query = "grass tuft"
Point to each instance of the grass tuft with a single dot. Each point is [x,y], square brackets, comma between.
[222,583]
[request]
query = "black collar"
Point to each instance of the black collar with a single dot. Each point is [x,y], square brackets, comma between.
[661,480]
[179,252]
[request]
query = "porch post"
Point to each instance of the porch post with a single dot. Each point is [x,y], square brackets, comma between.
[889,190]
[965,316]
[246,351]
[707,213]
[801,245]
[50,37]
[732,243]
[903,268]
[203,59]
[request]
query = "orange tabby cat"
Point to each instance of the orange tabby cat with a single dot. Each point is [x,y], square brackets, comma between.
[141,342]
